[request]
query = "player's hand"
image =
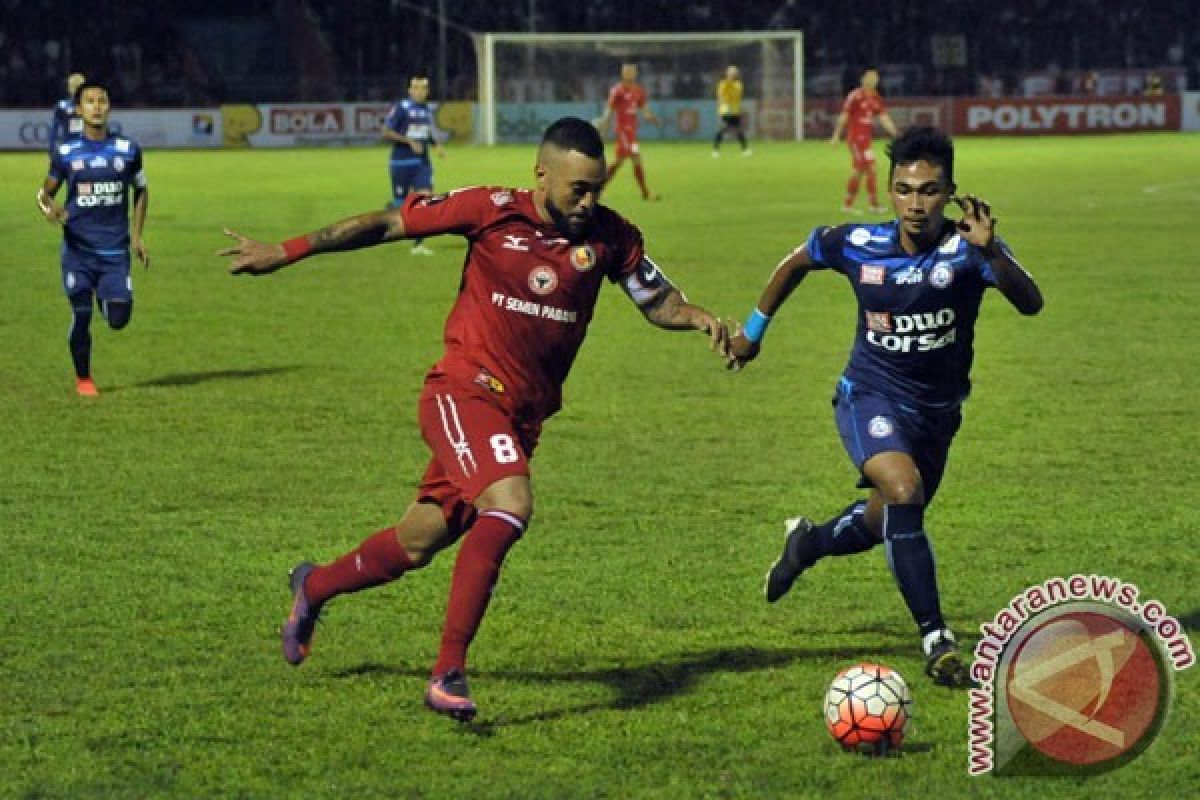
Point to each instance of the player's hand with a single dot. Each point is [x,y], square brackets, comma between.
[139,250]
[834,141]
[741,350]
[416,147]
[52,211]
[977,225]
[252,257]
[718,334]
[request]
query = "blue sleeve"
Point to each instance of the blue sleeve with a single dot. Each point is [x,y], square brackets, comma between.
[824,246]
[397,120]
[58,127]
[985,269]
[58,167]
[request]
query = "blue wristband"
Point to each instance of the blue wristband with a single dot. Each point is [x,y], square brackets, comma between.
[756,326]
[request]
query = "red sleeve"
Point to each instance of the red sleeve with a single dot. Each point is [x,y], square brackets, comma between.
[612,96]
[461,211]
[627,250]
[848,106]
[641,97]
[880,106]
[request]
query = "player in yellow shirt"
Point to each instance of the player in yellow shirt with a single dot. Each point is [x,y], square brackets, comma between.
[729,109]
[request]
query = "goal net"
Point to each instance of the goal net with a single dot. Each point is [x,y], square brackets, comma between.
[528,80]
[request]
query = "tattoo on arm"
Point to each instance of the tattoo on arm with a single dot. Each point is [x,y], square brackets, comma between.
[363,230]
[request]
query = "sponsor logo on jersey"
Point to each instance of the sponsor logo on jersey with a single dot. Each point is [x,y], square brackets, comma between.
[99,193]
[77,164]
[860,236]
[950,246]
[583,258]
[910,276]
[98,161]
[122,145]
[907,333]
[871,274]
[118,163]
[880,321]
[543,280]
[880,427]
[502,198]
[941,276]
[515,243]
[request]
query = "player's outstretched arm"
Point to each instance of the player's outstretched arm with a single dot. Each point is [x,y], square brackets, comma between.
[252,257]
[889,125]
[838,127]
[978,227]
[52,211]
[664,306]
[746,342]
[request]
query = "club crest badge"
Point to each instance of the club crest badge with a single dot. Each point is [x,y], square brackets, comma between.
[543,280]
[880,427]
[583,258]
[941,276]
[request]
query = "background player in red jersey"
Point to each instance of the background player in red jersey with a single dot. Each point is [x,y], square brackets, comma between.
[626,100]
[859,110]
[534,268]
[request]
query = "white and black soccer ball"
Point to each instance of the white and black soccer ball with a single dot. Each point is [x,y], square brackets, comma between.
[867,708]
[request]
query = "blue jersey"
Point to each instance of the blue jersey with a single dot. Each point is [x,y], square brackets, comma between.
[412,120]
[66,126]
[916,313]
[99,177]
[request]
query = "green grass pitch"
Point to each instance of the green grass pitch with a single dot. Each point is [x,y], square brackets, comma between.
[245,424]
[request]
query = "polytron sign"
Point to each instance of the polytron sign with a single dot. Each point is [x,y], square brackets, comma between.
[1067,115]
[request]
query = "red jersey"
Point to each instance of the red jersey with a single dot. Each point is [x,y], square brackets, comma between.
[527,292]
[627,101]
[861,109]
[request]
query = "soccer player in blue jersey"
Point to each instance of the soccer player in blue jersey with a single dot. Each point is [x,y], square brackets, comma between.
[66,125]
[409,127]
[101,171]
[919,281]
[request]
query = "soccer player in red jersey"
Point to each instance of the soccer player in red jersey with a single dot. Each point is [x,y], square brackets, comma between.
[626,100]
[858,115]
[535,264]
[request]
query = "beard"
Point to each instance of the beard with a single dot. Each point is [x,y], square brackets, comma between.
[573,227]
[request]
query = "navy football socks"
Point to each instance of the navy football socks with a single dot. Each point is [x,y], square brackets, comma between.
[911,560]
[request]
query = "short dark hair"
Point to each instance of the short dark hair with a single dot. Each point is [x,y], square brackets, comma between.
[573,133]
[88,83]
[923,143]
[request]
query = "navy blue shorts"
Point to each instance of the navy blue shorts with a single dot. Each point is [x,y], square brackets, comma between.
[870,424]
[410,175]
[105,275]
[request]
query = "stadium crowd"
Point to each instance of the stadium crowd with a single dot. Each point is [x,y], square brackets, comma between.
[192,52]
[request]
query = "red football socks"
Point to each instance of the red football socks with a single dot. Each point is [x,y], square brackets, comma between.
[475,573]
[379,559]
[640,174]
[852,189]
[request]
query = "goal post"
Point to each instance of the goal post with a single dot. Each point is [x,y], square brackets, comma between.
[527,80]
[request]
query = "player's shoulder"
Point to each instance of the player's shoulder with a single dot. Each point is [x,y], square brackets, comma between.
[65,149]
[608,223]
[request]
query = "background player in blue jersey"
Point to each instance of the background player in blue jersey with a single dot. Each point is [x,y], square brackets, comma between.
[66,124]
[100,170]
[919,281]
[409,127]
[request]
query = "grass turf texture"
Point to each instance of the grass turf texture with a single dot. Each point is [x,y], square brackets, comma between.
[247,423]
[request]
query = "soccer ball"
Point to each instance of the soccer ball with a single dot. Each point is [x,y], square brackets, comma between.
[867,708]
